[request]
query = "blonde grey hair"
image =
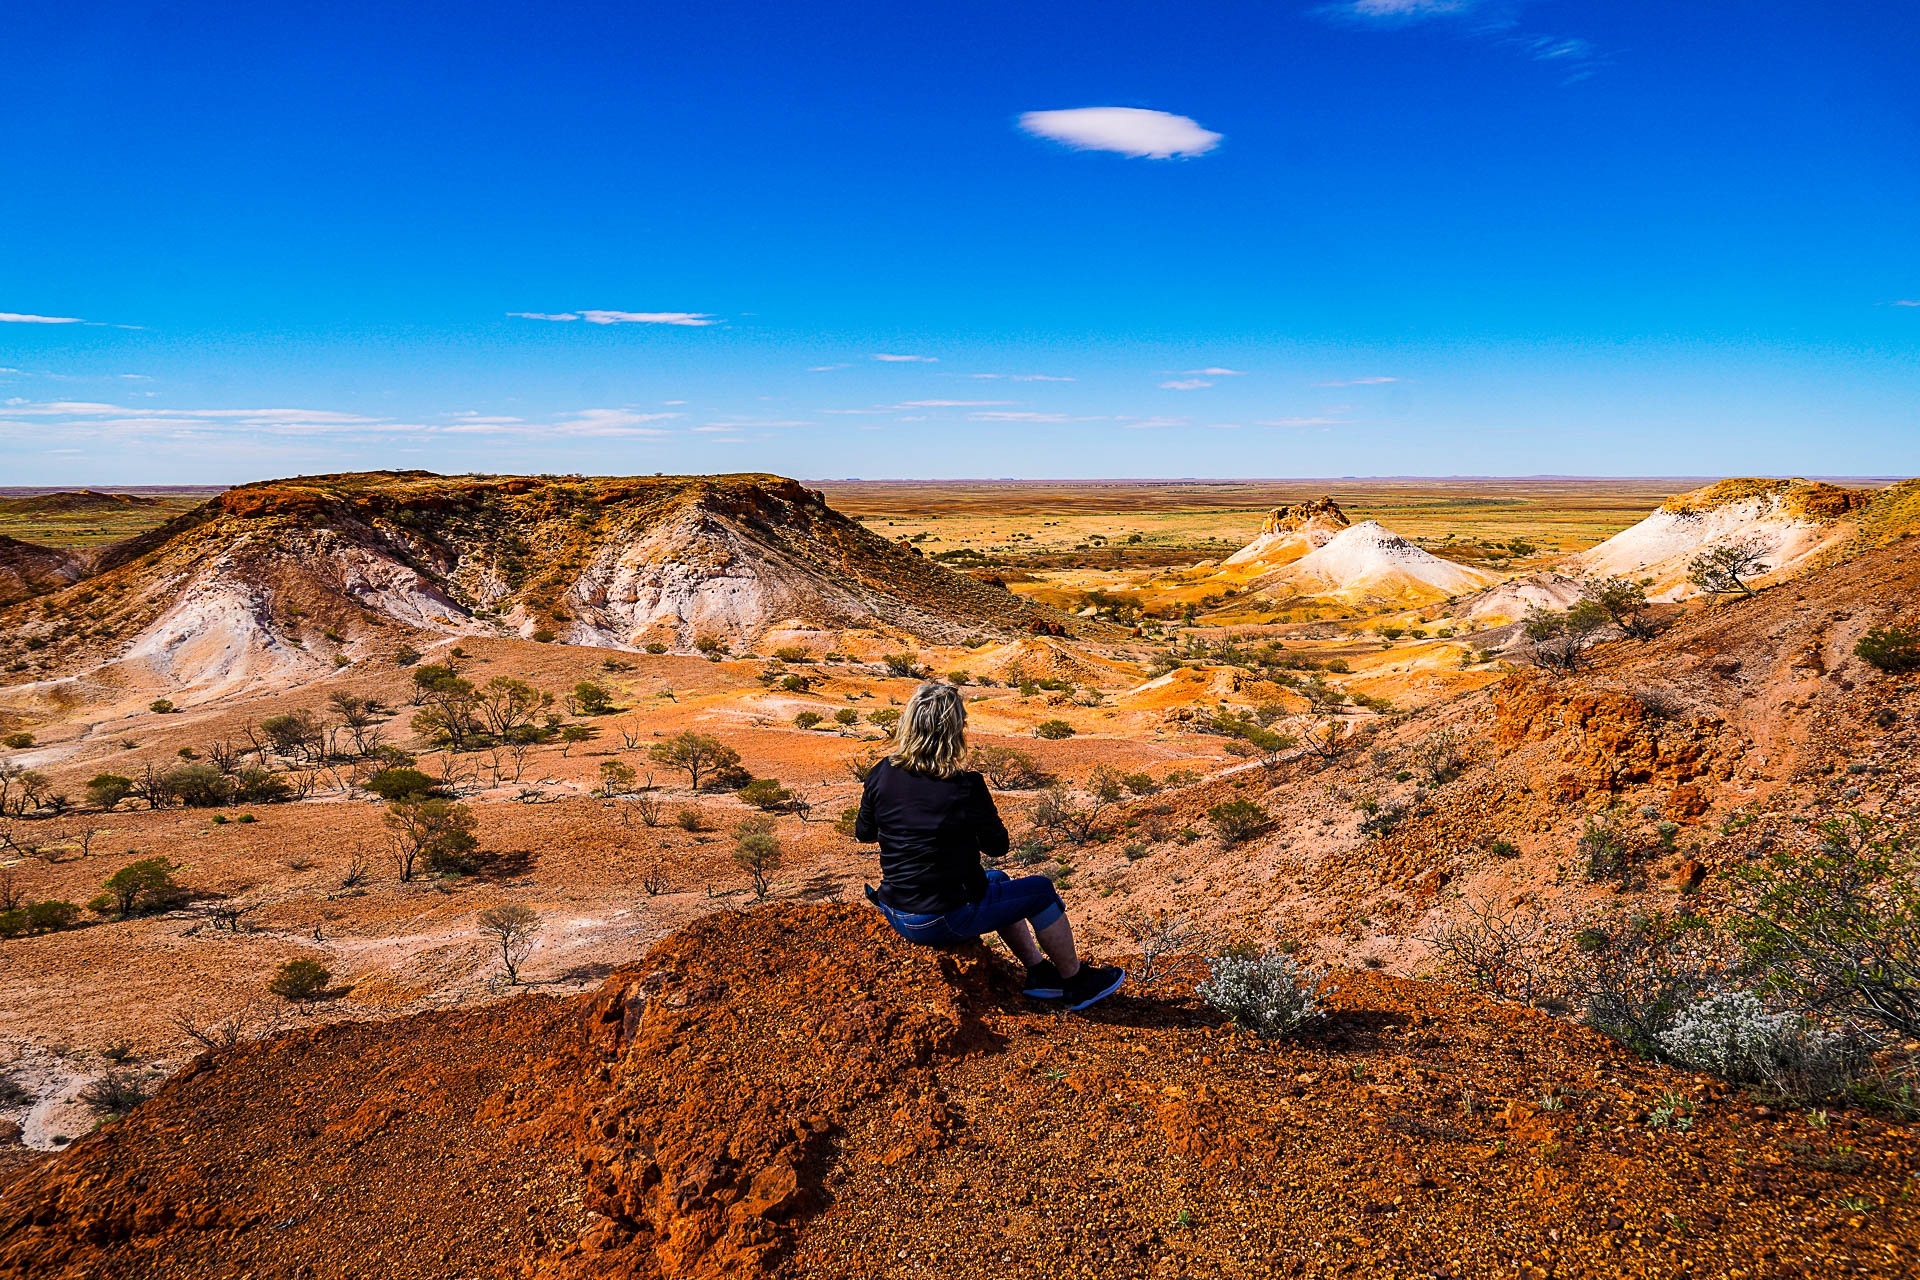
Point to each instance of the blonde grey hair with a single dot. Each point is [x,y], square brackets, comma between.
[932,736]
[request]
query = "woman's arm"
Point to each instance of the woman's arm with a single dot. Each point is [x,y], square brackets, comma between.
[988,829]
[864,829]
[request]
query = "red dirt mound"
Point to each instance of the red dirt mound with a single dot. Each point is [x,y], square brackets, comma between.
[793,1092]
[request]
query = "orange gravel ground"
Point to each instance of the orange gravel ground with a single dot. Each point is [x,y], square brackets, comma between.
[793,1092]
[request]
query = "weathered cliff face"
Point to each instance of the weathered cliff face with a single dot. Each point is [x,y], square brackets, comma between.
[28,570]
[1323,512]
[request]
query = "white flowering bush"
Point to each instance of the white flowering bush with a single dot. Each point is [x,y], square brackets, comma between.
[1268,995]
[1732,1034]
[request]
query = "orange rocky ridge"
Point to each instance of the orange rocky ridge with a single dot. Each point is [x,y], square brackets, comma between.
[793,1092]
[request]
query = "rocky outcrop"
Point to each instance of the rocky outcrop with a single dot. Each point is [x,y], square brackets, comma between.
[1606,741]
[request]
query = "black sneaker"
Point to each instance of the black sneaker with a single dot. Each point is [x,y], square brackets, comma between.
[1043,982]
[1093,983]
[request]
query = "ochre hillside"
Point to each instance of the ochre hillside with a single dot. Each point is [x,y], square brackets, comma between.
[795,1093]
[229,591]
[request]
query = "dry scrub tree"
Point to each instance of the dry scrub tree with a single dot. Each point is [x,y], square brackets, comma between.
[1160,939]
[1724,569]
[1501,951]
[698,754]
[756,850]
[436,834]
[511,928]
[249,1022]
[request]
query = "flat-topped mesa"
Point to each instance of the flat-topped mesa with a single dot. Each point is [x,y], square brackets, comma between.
[1324,511]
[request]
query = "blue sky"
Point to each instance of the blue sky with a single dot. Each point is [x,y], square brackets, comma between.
[1379,237]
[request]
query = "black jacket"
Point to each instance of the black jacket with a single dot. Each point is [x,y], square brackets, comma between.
[932,834]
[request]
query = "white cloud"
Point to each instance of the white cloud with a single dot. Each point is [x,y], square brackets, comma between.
[896,359]
[1405,10]
[1898,302]
[1185,384]
[611,422]
[825,368]
[1303,422]
[950,404]
[1215,372]
[1357,382]
[1022,377]
[1152,424]
[1131,131]
[693,318]
[14,317]
[1027,415]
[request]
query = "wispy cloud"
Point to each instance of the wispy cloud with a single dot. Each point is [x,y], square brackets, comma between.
[15,317]
[1185,384]
[1154,424]
[826,368]
[1130,131]
[1494,20]
[1303,422]
[611,422]
[890,358]
[1356,382]
[694,319]
[1897,302]
[1215,372]
[950,404]
[1023,377]
[1029,415]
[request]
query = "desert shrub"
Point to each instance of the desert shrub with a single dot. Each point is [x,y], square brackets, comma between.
[1605,850]
[654,646]
[399,783]
[405,656]
[1503,849]
[299,981]
[1235,820]
[13,922]
[807,719]
[1558,641]
[1633,975]
[1733,1035]
[17,741]
[254,785]
[711,645]
[1496,949]
[793,653]
[846,717]
[51,916]
[1624,601]
[1266,994]
[1053,730]
[767,794]
[107,790]
[198,786]
[959,677]
[885,717]
[431,832]
[590,699]
[756,850]
[1008,768]
[138,887]
[1890,648]
[844,824]
[902,664]
[114,1094]
[161,706]
[617,777]
[541,635]
[690,818]
[1161,940]
[1837,931]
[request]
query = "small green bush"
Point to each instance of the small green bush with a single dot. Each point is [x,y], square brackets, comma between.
[1235,820]
[1053,730]
[1891,649]
[298,981]
[399,783]
[17,741]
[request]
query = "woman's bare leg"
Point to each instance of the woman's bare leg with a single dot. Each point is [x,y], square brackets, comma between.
[1019,940]
[1057,938]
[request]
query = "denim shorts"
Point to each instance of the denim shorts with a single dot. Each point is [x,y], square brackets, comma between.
[1030,898]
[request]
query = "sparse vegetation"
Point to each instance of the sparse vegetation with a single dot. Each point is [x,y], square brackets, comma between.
[1267,994]
[1891,649]
[301,982]
[757,851]
[511,928]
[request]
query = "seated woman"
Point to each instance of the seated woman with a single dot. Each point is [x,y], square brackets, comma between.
[934,820]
